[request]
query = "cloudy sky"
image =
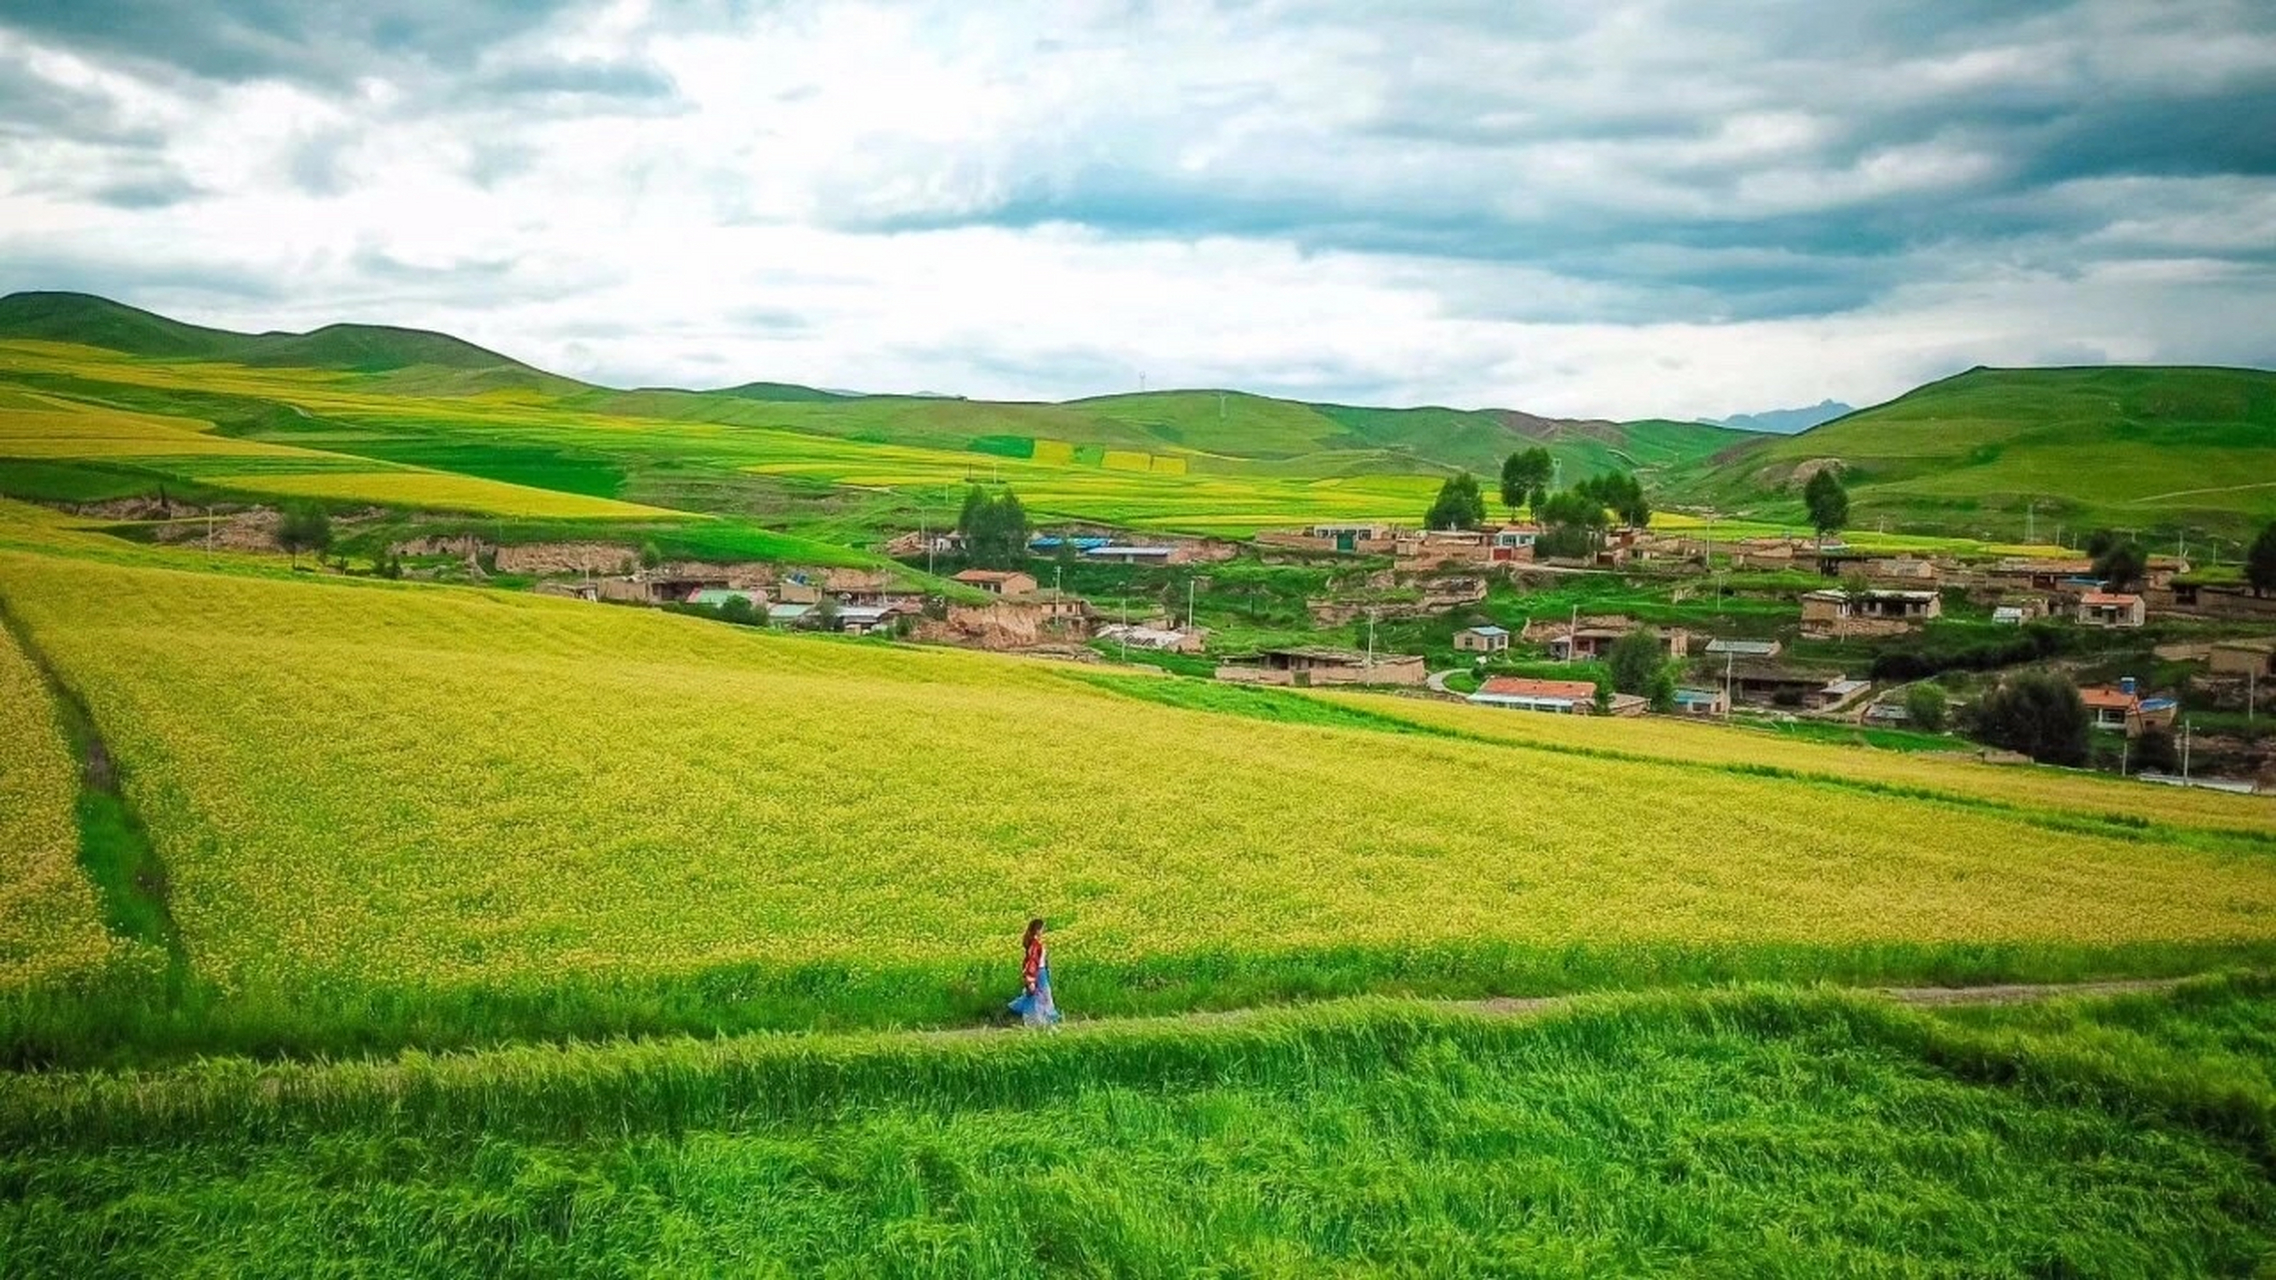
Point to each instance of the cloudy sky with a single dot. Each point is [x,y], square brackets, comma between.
[1681,208]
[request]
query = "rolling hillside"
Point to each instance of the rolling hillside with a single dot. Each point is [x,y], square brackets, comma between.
[87,320]
[2157,449]
[1209,431]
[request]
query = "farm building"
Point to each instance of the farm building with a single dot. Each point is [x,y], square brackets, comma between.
[1786,687]
[1744,648]
[1360,539]
[1124,553]
[1481,640]
[573,590]
[2243,658]
[2113,706]
[2036,575]
[1832,613]
[2111,609]
[1049,544]
[1701,702]
[1303,665]
[1561,697]
[1514,542]
[1594,641]
[714,597]
[998,582]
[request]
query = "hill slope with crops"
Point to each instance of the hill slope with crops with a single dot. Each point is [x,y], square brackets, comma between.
[2152,449]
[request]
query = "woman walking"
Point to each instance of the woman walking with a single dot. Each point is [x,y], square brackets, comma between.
[1034,1006]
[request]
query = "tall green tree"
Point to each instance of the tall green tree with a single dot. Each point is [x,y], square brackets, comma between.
[305,527]
[1525,478]
[1635,661]
[2038,713]
[1828,502]
[1459,505]
[994,529]
[2260,562]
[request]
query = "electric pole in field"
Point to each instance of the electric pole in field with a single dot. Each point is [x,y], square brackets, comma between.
[2185,753]
[1371,637]
[1727,655]
[1189,604]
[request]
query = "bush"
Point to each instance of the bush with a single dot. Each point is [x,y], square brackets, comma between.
[1925,708]
[1634,659]
[1940,649]
[2038,713]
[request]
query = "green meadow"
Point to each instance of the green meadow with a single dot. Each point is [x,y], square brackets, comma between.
[1755,1132]
[2159,450]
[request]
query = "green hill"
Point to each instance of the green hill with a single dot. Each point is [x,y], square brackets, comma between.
[100,322]
[351,348]
[797,458]
[2157,449]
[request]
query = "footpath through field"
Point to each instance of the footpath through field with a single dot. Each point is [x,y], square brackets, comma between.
[1535,1006]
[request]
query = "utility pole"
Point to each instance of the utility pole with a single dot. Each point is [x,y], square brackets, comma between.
[2185,753]
[2125,749]
[1727,654]
[1371,637]
[1189,604]
[1573,635]
[2030,522]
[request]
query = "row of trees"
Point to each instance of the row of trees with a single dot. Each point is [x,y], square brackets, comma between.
[1572,517]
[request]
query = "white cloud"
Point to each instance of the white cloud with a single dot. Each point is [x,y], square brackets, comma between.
[1635,211]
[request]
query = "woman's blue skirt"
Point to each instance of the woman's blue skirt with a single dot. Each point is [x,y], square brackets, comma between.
[1035,1008]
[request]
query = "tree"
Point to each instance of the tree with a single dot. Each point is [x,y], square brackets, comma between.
[1572,520]
[739,610]
[1622,493]
[1525,478]
[2260,562]
[995,530]
[824,615]
[2121,564]
[1925,708]
[1663,691]
[2038,713]
[651,555]
[304,528]
[1459,504]
[1828,503]
[1634,659]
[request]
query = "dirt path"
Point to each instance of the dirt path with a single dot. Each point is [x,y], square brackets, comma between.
[1536,1006]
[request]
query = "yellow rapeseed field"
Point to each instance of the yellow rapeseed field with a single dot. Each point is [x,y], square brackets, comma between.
[50,926]
[442,490]
[382,782]
[2086,795]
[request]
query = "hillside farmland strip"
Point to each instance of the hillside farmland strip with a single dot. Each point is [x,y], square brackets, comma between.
[403,786]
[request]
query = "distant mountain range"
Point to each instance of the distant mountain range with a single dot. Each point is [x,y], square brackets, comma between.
[2166,449]
[1786,422]
[1233,425]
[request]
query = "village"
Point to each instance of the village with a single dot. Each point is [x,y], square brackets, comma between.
[1811,635]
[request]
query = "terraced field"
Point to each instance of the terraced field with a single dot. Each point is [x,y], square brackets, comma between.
[393,789]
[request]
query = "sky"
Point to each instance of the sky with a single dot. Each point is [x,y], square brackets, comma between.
[1682,209]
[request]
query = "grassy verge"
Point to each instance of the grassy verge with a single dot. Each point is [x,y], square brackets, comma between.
[1760,1132]
[131,1024]
[114,848]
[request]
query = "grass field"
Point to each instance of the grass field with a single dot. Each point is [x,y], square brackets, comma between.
[1753,1133]
[389,794]
[51,928]
[2152,449]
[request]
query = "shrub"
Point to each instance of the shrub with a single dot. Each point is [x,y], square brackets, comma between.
[1925,708]
[2038,713]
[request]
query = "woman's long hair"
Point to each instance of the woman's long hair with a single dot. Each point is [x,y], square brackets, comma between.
[1034,929]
